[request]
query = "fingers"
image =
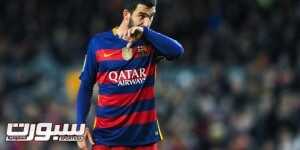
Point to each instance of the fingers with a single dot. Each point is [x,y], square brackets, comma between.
[134,33]
[131,34]
[122,35]
[90,138]
[82,145]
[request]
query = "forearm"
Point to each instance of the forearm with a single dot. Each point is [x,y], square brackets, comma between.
[83,101]
[165,45]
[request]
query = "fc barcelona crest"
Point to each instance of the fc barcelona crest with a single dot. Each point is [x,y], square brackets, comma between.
[143,50]
[127,53]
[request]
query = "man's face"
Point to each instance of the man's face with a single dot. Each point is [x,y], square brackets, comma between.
[142,16]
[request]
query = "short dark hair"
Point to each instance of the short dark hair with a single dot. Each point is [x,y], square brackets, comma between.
[130,5]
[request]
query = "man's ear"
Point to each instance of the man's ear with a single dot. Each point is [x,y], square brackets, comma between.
[126,15]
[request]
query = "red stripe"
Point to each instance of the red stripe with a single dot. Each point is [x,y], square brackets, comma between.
[126,99]
[126,120]
[116,54]
[108,54]
[104,76]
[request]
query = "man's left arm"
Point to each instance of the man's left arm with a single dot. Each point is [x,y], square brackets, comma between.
[165,45]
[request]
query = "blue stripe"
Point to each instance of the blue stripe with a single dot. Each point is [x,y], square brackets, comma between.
[116,65]
[128,136]
[111,88]
[107,40]
[142,105]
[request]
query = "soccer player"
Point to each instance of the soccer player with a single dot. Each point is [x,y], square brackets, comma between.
[123,64]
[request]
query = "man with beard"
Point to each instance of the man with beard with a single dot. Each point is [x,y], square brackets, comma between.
[123,64]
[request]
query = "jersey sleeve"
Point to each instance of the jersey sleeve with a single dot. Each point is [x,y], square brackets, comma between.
[88,78]
[164,45]
[89,69]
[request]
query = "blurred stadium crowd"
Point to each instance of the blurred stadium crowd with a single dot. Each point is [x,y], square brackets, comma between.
[236,87]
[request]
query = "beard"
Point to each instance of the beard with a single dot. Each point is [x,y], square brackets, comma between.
[130,24]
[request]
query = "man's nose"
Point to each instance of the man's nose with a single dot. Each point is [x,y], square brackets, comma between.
[146,22]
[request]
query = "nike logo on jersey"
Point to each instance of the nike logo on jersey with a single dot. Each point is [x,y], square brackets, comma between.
[107,54]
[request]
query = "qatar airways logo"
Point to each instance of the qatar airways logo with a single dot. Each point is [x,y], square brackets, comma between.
[128,77]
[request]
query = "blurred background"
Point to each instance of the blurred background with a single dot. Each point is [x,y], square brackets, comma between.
[236,87]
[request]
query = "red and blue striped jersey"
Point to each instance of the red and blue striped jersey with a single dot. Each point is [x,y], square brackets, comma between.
[125,110]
